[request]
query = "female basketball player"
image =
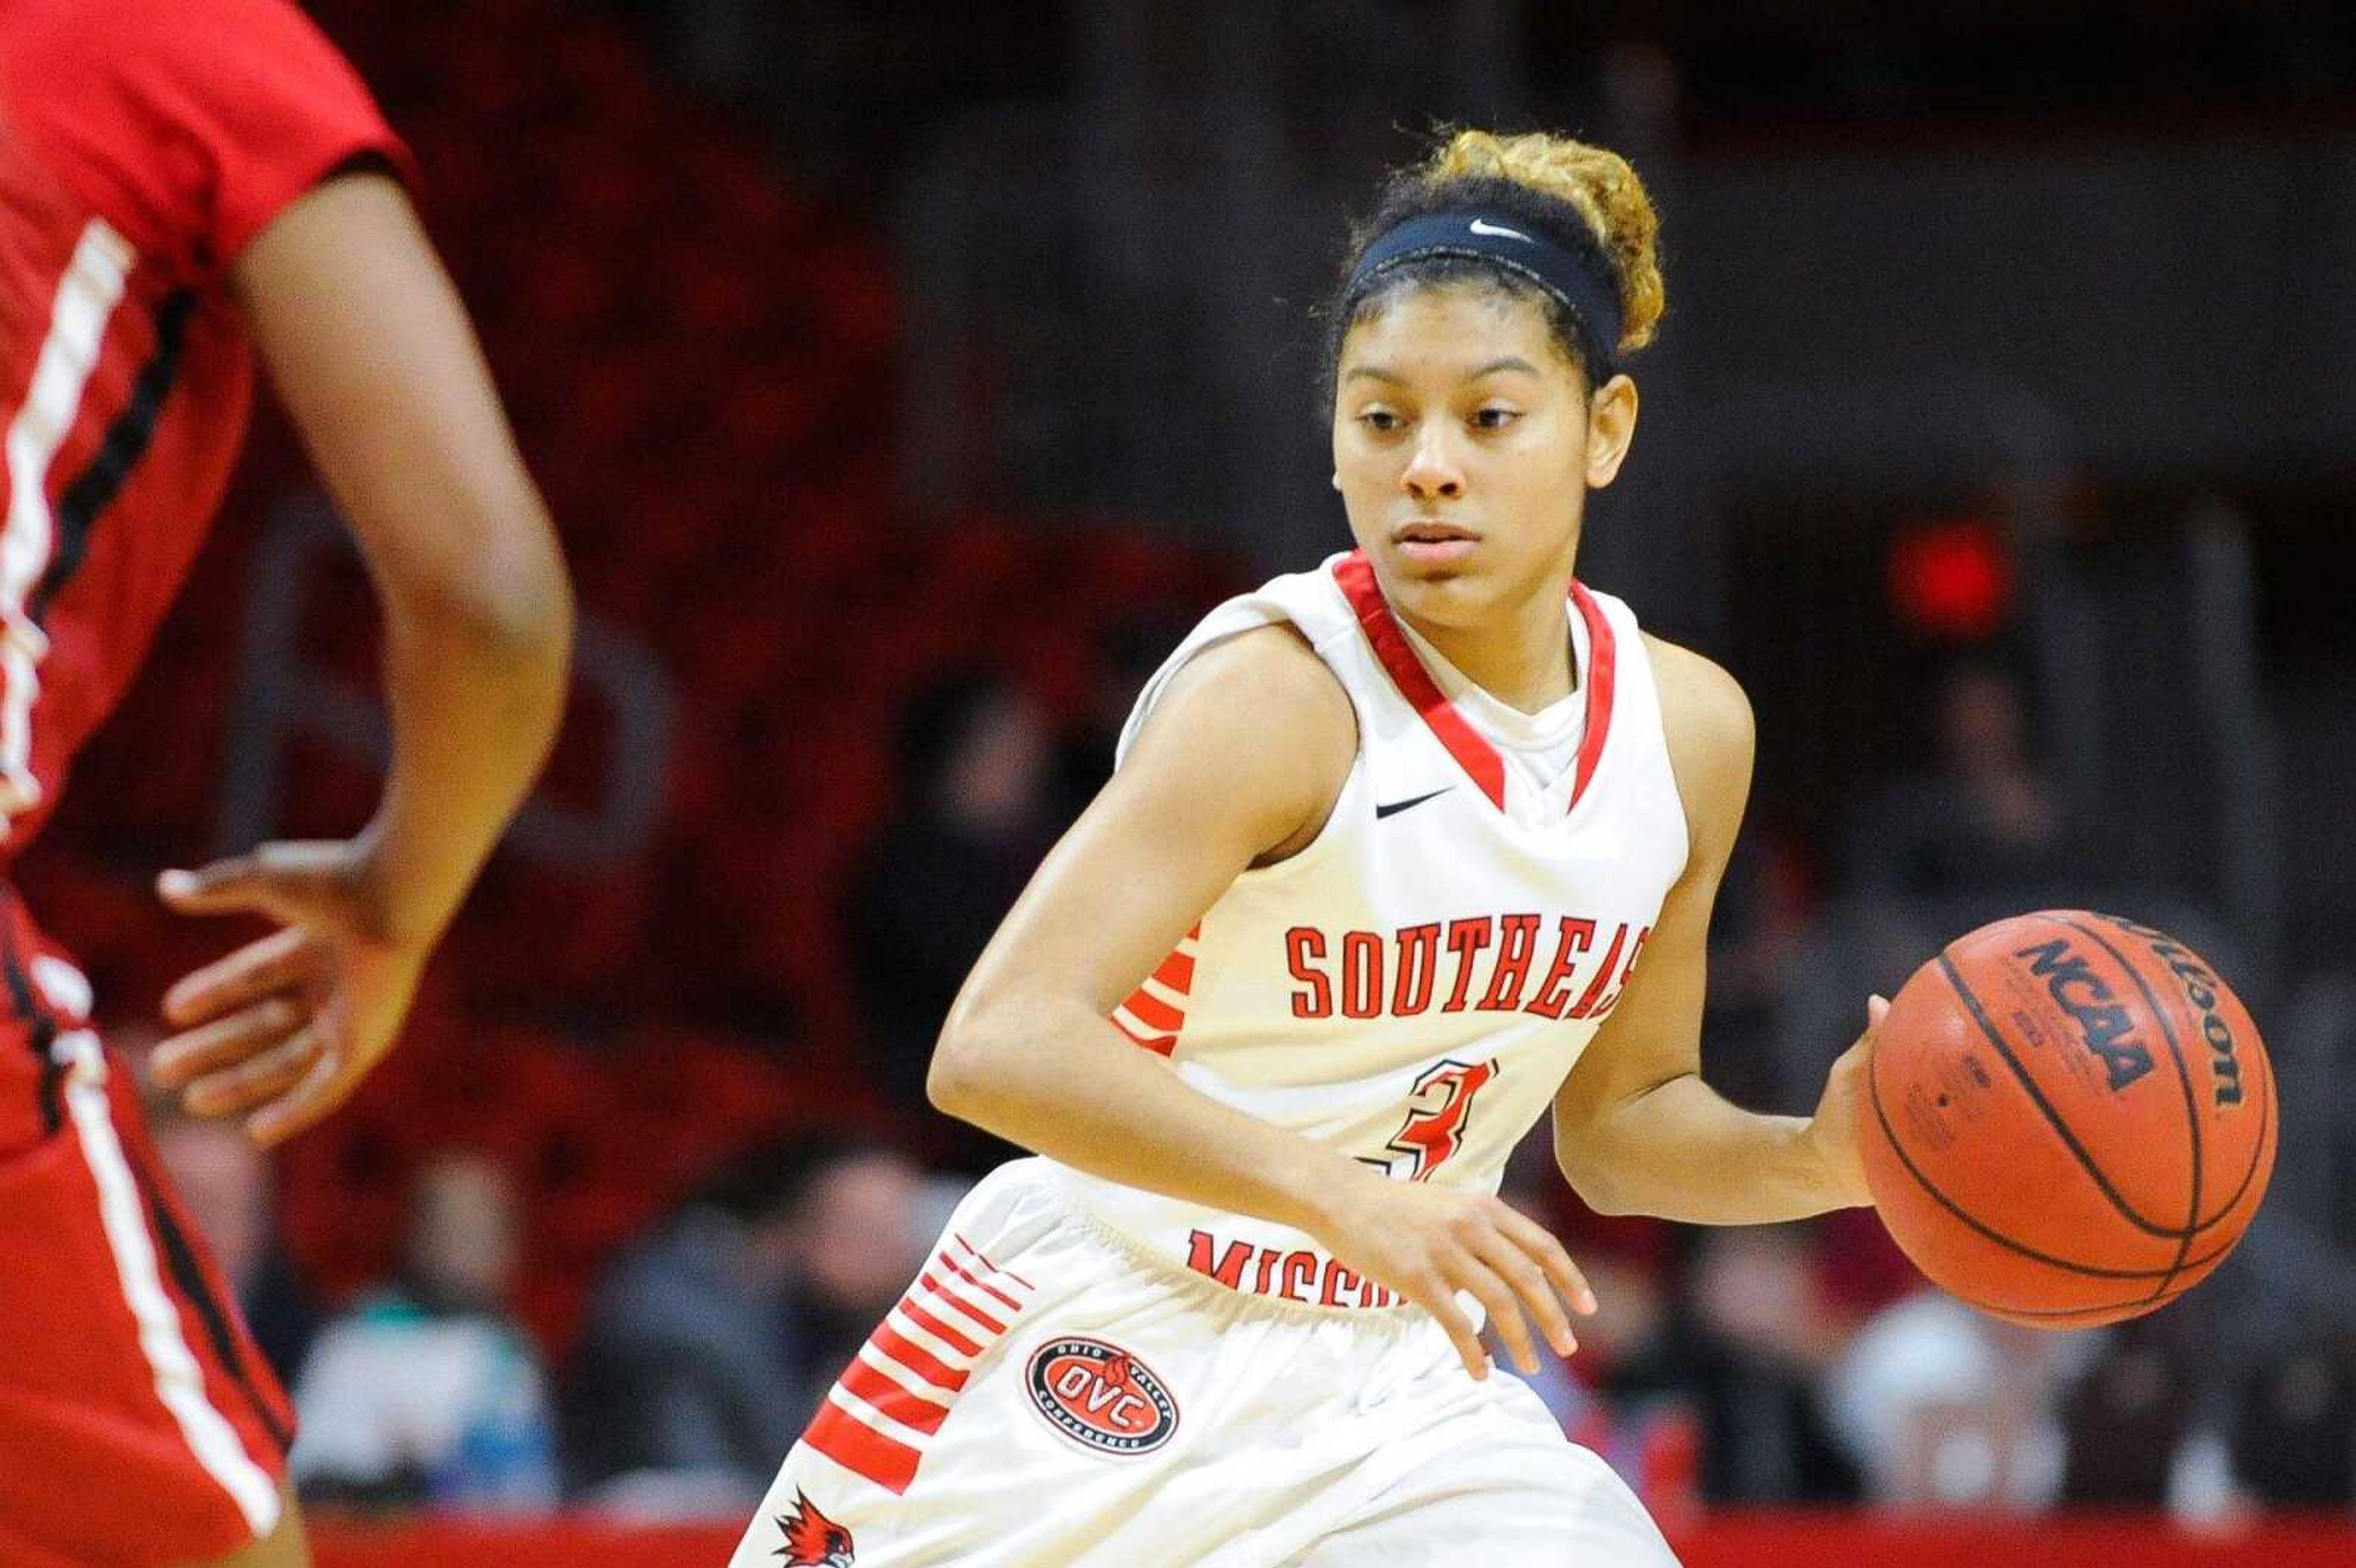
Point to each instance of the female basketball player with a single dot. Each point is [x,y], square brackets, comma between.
[183,182]
[1410,846]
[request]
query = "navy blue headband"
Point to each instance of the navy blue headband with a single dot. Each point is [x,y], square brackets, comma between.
[1579,281]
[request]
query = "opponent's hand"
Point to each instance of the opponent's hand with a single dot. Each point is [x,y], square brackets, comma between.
[1833,1131]
[1428,1243]
[281,1030]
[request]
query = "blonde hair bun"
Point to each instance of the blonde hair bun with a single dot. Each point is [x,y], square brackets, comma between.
[1597,183]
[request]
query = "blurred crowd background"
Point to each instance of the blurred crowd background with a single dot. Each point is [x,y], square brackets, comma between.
[905,379]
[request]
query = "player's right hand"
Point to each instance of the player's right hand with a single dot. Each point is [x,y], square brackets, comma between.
[1834,1131]
[281,1030]
[1428,1243]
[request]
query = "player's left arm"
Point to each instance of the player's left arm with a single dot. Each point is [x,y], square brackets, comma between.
[1636,1131]
[372,352]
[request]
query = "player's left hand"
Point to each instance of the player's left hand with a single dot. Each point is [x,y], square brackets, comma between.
[1833,1131]
[281,1030]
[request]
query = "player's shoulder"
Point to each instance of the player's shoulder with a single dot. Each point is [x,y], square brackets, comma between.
[78,46]
[187,124]
[1253,730]
[1268,681]
[1706,718]
[1703,706]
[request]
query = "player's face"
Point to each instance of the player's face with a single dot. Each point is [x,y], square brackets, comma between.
[1464,448]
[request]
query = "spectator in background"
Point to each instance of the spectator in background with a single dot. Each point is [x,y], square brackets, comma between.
[1127,654]
[1695,1378]
[1943,1406]
[1624,1260]
[225,1182]
[976,782]
[1756,935]
[2294,1428]
[1650,1436]
[428,1393]
[1743,1346]
[2126,1418]
[1979,834]
[1986,823]
[711,1341]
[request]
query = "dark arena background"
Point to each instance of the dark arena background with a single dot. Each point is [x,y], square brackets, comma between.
[905,379]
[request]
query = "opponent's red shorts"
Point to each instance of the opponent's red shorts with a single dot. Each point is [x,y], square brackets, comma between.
[139,1426]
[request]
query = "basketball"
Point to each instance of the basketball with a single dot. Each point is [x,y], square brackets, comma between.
[2069,1119]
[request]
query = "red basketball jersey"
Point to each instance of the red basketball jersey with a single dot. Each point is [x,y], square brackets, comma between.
[143,144]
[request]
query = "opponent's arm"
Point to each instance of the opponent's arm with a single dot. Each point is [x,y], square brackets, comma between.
[1241,760]
[371,351]
[1636,1131]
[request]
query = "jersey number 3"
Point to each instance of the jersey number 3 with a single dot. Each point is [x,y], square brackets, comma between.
[1437,1110]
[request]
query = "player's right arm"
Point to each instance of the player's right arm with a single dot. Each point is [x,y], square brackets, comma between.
[1239,764]
[370,350]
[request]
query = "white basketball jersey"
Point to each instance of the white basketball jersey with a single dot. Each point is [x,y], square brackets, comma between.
[1413,987]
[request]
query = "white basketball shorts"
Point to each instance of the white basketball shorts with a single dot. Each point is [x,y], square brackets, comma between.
[1048,1393]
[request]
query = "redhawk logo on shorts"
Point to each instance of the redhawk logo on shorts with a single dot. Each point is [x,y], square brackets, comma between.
[1101,1396]
[812,1539]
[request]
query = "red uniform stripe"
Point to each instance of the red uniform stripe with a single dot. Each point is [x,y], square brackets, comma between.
[961,1303]
[861,1449]
[937,1329]
[1355,575]
[1177,972]
[1159,1044]
[1479,759]
[1154,1013]
[979,1284]
[971,1257]
[984,1257]
[893,1400]
[1602,675]
[890,1342]
[1603,973]
[229,1358]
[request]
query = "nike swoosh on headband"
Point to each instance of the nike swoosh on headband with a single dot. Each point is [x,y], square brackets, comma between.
[1481,228]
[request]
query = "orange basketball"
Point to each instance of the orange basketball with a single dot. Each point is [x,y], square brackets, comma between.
[2068,1120]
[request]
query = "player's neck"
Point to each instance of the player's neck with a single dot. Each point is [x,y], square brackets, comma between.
[1522,660]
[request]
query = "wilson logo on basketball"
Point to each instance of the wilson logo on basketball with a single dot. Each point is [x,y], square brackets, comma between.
[2202,989]
[1101,1396]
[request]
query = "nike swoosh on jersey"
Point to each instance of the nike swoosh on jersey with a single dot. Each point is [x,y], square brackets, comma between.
[1394,807]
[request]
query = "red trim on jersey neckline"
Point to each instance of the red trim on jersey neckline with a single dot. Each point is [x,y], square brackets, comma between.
[1355,575]
[1602,675]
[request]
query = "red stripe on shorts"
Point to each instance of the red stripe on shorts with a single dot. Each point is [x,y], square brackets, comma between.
[961,1303]
[861,1449]
[891,1343]
[992,1267]
[979,1284]
[937,1329]
[889,1397]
